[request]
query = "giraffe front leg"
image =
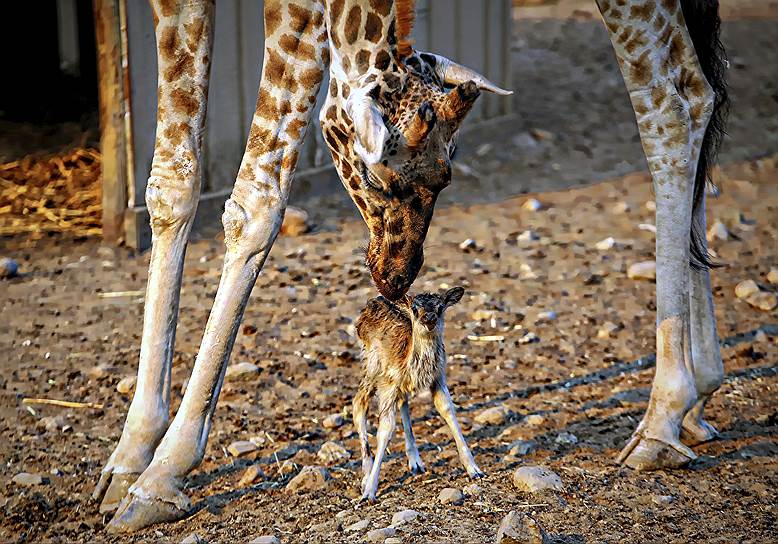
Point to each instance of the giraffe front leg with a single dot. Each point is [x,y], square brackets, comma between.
[415,464]
[171,196]
[386,424]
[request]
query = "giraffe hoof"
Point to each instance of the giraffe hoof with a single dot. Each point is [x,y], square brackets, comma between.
[643,453]
[135,513]
[477,474]
[697,431]
[417,468]
[112,488]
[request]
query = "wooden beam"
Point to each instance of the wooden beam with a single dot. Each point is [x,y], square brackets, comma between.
[113,137]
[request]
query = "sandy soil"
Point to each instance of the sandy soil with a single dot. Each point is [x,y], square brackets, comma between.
[65,339]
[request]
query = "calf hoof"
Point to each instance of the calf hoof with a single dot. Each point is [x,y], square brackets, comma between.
[112,488]
[643,453]
[136,513]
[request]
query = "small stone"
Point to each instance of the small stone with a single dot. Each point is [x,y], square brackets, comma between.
[193,538]
[333,421]
[51,423]
[126,385]
[566,438]
[27,479]
[621,208]
[295,222]
[541,135]
[482,315]
[361,525]
[521,447]
[532,205]
[529,338]
[379,535]
[645,270]
[8,268]
[760,336]
[546,316]
[311,478]
[718,231]
[241,371]
[607,330]
[535,420]
[242,447]
[528,236]
[517,528]
[287,467]
[266,539]
[472,490]
[534,478]
[250,475]
[393,540]
[468,245]
[495,415]
[606,244]
[662,500]
[746,288]
[332,453]
[763,300]
[772,276]
[404,516]
[651,205]
[450,495]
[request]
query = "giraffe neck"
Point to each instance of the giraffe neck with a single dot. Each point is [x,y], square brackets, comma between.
[363,39]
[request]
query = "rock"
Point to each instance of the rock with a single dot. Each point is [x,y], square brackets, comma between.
[193,538]
[333,421]
[772,276]
[763,300]
[651,205]
[532,205]
[27,479]
[8,268]
[250,475]
[495,415]
[332,453]
[649,227]
[242,447]
[241,371]
[472,490]
[519,528]
[450,495]
[546,316]
[287,467]
[521,447]
[126,385]
[393,540]
[535,420]
[51,423]
[718,231]
[295,222]
[379,535]
[541,135]
[534,478]
[746,288]
[760,336]
[358,526]
[606,244]
[482,315]
[528,236]
[529,338]
[468,245]
[662,500]
[311,478]
[621,208]
[566,438]
[607,330]
[645,270]
[266,539]
[404,516]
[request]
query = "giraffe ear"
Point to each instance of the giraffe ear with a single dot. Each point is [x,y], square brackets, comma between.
[455,74]
[369,127]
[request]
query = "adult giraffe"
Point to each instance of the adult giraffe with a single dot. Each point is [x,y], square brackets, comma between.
[389,121]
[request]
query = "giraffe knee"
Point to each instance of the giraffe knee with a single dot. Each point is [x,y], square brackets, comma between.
[252,228]
[171,201]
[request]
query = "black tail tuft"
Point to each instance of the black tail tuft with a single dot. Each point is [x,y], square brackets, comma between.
[704,25]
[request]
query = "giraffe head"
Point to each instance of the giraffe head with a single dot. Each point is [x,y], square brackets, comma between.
[391,119]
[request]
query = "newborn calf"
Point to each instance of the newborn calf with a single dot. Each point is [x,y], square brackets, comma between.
[404,355]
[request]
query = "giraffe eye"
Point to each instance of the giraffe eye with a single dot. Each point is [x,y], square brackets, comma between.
[370,180]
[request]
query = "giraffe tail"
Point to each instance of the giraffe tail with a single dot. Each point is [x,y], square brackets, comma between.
[704,25]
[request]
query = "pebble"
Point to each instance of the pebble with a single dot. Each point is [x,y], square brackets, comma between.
[295,222]
[393,540]
[718,231]
[482,315]
[332,453]
[606,244]
[621,208]
[333,421]
[541,135]
[468,245]
[772,276]
[566,438]
[287,467]
[379,535]
[534,478]
[651,205]
[8,268]
[404,516]
[193,538]
[529,338]
[361,525]
[535,420]
[242,447]
[517,528]
[760,336]
[311,478]
[521,447]
[450,495]
[472,490]
[51,423]
[126,385]
[250,475]
[495,415]
[607,330]
[763,300]
[746,288]
[528,236]
[241,371]
[532,205]
[547,316]
[662,500]
[645,270]
[27,479]
[266,539]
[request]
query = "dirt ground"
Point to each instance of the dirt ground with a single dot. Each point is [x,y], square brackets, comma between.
[67,336]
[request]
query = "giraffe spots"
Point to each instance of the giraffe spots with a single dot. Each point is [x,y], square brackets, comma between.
[290,160]
[346,170]
[182,66]
[184,102]
[295,128]
[292,45]
[267,107]
[658,95]
[285,108]
[336,10]
[640,70]
[677,49]
[275,67]
[168,43]
[311,77]
[358,200]
[332,113]
[395,226]
[659,22]
[333,88]
[382,60]
[246,173]
[373,26]
[176,132]
[260,141]
[345,90]
[346,63]
[194,32]
[167,7]
[332,142]
[302,108]
[353,181]
[351,29]
[642,13]
[363,61]
[299,18]
[273,16]
[382,7]
[341,136]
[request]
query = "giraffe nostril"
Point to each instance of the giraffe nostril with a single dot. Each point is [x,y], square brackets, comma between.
[398,281]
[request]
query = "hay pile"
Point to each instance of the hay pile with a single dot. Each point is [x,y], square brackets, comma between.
[54,193]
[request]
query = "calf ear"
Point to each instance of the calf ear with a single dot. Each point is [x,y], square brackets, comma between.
[453,296]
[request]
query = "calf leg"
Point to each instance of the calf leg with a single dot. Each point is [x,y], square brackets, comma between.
[386,425]
[411,451]
[359,409]
[171,195]
[446,409]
